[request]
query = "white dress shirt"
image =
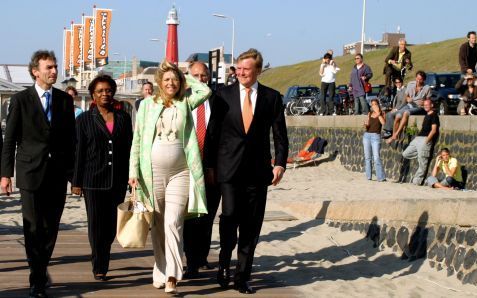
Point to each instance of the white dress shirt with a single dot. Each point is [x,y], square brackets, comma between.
[41,95]
[207,114]
[253,95]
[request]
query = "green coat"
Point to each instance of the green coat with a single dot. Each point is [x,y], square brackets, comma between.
[140,165]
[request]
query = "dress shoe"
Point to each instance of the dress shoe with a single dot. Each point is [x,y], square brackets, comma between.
[243,287]
[223,277]
[37,293]
[191,273]
[101,277]
[171,286]
[207,266]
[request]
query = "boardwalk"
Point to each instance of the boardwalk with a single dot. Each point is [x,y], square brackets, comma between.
[130,273]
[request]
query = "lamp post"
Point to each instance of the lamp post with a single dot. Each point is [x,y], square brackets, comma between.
[362,27]
[233,31]
[124,71]
[160,40]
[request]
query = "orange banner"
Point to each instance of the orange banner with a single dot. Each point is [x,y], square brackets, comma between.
[102,27]
[88,42]
[67,52]
[77,46]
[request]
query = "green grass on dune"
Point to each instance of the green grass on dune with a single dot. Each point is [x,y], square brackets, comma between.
[434,57]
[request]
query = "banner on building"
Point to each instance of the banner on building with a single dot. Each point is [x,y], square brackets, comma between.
[77,46]
[102,27]
[88,42]
[66,52]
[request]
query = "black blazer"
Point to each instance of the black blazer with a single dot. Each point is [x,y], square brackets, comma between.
[241,157]
[39,143]
[102,159]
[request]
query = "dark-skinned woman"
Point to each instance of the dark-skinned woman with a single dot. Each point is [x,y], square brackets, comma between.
[104,136]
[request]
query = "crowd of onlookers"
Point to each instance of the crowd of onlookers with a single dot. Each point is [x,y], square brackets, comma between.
[415,99]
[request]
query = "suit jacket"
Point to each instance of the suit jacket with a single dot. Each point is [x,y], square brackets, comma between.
[102,158]
[394,55]
[245,157]
[38,142]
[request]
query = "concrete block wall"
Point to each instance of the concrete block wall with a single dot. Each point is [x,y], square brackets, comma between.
[344,135]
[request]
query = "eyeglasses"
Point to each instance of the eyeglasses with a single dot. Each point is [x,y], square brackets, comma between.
[101,91]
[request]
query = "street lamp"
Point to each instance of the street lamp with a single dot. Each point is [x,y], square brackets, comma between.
[160,40]
[124,71]
[233,31]
[362,28]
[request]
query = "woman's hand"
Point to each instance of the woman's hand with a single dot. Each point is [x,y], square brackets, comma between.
[132,182]
[76,190]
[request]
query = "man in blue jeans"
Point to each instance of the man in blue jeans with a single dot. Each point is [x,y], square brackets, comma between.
[420,146]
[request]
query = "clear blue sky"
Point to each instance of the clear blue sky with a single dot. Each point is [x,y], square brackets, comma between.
[286,31]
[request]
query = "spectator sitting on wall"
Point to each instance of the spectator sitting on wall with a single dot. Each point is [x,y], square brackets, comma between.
[451,168]
[399,106]
[416,92]
[468,90]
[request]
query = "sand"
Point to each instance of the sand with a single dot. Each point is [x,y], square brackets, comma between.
[310,256]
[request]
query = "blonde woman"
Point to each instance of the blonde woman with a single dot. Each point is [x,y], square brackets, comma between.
[166,167]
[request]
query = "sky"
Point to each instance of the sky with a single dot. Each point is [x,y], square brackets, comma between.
[285,31]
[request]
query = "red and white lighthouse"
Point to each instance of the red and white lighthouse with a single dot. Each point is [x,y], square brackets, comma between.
[172,51]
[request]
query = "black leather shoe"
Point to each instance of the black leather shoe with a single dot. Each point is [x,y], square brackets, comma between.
[223,277]
[207,266]
[191,273]
[101,277]
[37,293]
[243,287]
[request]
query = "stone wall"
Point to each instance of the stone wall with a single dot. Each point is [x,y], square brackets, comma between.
[344,137]
[449,248]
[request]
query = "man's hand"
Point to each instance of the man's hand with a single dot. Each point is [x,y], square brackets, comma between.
[76,190]
[6,185]
[420,103]
[277,174]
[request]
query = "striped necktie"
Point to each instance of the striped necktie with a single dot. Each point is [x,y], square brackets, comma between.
[201,128]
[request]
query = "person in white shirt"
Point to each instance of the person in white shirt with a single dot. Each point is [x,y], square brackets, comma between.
[328,70]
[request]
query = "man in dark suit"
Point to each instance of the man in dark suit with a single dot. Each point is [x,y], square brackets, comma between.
[399,58]
[146,91]
[242,117]
[198,231]
[41,129]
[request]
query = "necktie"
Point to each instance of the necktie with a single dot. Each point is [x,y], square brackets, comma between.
[247,111]
[201,128]
[48,105]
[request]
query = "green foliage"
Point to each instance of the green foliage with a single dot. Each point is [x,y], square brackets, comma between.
[412,129]
[434,57]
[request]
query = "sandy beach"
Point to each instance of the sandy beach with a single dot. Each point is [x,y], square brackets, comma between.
[308,255]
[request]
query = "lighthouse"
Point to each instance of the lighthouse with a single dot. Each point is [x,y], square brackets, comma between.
[172,52]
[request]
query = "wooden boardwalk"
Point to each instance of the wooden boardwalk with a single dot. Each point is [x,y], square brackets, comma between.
[130,273]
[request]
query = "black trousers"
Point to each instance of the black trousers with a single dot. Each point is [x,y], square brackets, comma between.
[42,210]
[243,208]
[101,210]
[327,107]
[198,231]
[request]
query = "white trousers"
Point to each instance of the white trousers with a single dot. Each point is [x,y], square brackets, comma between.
[171,192]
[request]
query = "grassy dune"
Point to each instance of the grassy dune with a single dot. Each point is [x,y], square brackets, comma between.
[433,57]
